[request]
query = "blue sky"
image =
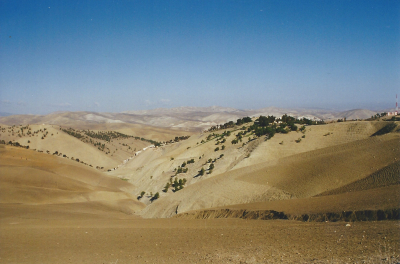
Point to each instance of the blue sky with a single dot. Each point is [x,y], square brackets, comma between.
[113,56]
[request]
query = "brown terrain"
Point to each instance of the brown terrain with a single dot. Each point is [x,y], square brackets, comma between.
[332,197]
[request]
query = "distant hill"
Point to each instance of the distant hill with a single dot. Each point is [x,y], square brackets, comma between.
[5,114]
[356,114]
[181,118]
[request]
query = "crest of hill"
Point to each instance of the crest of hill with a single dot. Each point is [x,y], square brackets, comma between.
[183,109]
[180,118]
[356,114]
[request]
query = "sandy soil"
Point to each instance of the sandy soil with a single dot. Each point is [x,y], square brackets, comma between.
[55,210]
[298,176]
[31,178]
[196,241]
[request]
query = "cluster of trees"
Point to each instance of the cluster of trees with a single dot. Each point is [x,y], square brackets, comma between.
[105,135]
[155,143]
[220,137]
[243,120]
[269,125]
[378,115]
[20,130]
[73,133]
[177,139]
[177,184]
[190,161]
[264,121]
[15,144]
[182,169]
[229,124]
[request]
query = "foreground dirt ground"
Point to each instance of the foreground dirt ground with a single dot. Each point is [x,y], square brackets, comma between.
[86,239]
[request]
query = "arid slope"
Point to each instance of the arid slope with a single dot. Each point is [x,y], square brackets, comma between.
[31,179]
[311,167]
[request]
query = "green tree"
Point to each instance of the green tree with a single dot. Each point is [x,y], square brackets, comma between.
[166,187]
[155,197]
[176,185]
[201,172]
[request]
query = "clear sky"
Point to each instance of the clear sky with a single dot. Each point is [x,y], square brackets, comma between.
[113,56]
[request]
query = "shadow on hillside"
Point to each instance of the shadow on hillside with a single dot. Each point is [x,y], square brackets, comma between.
[385,130]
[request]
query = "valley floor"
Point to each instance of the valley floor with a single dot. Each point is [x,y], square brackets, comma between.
[95,239]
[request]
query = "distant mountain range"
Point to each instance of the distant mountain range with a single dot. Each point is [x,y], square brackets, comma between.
[190,118]
[5,114]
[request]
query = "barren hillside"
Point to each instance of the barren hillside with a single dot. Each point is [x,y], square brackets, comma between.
[327,157]
[336,172]
[32,180]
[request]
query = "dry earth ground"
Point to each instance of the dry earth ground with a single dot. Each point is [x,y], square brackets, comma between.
[98,240]
[55,210]
[298,176]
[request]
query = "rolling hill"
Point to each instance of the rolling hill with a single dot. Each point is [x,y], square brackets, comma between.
[179,119]
[36,181]
[309,180]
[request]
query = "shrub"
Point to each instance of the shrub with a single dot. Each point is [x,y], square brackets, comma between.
[166,187]
[216,149]
[155,197]
[201,172]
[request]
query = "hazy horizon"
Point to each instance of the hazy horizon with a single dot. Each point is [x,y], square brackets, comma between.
[117,56]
